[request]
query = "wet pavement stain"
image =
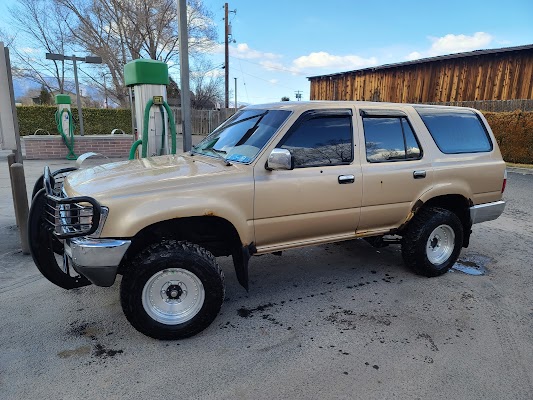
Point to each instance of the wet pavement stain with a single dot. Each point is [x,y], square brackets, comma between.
[248,312]
[431,342]
[102,352]
[88,330]
[79,351]
[472,264]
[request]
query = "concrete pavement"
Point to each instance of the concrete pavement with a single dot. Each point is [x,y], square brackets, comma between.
[343,321]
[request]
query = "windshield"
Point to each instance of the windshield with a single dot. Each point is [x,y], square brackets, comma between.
[242,136]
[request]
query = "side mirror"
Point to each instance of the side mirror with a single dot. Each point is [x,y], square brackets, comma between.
[279,159]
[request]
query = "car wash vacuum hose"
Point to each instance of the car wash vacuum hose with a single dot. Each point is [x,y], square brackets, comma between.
[68,140]
[144,140]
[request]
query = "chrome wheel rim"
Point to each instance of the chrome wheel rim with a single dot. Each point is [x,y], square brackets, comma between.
[173,296]
[440,244]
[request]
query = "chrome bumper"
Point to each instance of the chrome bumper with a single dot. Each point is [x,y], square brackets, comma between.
[96,259]
[486,212]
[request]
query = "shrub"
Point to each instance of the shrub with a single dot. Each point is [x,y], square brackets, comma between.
[513,130]
[514,134]
[96,121]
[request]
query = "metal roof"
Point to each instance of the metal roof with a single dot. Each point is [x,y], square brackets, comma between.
[431,59]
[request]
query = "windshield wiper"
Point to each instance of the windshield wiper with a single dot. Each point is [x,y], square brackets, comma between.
[218,155]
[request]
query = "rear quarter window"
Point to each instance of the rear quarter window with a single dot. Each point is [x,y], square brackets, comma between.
[456,131]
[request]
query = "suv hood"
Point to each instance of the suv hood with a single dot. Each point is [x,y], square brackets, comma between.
[143,175]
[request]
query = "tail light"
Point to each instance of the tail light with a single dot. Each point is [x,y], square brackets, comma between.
[504,184]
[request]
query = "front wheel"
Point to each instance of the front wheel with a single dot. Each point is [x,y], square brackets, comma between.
[432,241]
[172,290]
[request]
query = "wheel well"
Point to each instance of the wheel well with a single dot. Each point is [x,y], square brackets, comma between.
[457,204]
[215,234]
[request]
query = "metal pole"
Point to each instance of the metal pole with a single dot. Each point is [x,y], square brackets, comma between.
[21,199]
[184,76]
[105,92]
[18,151]
[226,54]
[235,94]
[132,108]
[11,159]
[78,99]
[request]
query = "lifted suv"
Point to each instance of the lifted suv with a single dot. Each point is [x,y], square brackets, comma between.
[272,177]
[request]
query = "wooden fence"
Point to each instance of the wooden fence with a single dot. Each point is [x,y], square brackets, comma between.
[203,121]
[503,75]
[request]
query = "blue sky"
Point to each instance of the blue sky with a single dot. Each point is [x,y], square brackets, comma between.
[279,43]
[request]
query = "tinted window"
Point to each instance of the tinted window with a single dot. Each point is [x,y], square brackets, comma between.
[321,141]
[242,136]
[389,139]
[411,145]
[456,131]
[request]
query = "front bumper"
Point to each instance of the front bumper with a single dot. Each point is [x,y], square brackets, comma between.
[486,212]
[96,259]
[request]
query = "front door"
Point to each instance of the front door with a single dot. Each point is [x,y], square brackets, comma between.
[320,198]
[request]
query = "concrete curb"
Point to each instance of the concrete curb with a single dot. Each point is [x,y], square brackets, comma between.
[523,171]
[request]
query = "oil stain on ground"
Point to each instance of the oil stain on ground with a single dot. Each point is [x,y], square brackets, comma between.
[85,329]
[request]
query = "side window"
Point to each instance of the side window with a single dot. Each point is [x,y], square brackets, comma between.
[390,139]
[455,131]
[321,141]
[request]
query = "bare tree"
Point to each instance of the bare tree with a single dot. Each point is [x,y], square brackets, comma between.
[44,27]
[6,38]
[207,84]
[120,31]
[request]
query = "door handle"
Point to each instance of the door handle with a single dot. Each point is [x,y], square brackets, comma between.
[346,179]
[419,174]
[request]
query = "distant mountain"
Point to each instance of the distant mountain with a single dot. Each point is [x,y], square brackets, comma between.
[22,85]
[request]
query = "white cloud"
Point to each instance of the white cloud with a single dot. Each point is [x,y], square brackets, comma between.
[274,81]
[415,55]
[244,51]
[451,43]
[214,73]
[29,50]
[323,59]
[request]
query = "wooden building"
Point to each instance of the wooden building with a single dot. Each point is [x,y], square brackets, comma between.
[481,75]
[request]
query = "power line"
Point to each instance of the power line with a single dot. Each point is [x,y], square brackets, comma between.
[301,73]
[244,82]
[273,83]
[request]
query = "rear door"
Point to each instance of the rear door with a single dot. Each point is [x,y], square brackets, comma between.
[395,170]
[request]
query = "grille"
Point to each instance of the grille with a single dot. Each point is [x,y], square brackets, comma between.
[68,217]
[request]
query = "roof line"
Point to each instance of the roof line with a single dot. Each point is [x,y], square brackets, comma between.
[431,59]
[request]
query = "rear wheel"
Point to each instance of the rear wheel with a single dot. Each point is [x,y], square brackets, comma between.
[172,290]
[432,241]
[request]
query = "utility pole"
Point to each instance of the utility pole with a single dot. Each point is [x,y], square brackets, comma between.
[184,76]
[298,95]
[227,34]
[235,94]
[226,53]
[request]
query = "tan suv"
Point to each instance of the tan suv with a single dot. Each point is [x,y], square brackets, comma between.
[272,177]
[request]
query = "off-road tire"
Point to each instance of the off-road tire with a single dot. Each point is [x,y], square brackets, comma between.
[415,240]
[171,255]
